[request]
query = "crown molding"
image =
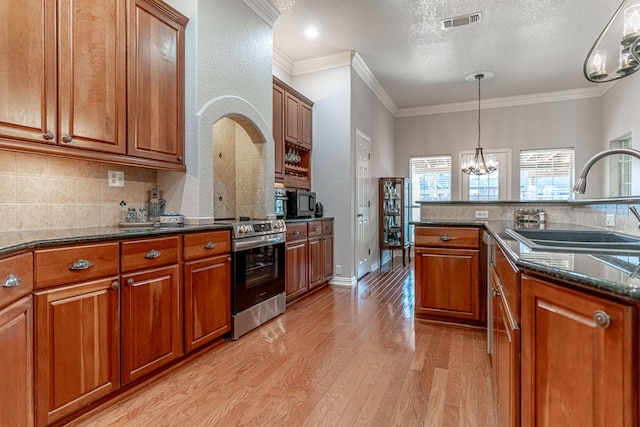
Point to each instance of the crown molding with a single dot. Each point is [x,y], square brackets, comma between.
[282,60]
[370,80]
[509,101]
[339,59]
[264,9]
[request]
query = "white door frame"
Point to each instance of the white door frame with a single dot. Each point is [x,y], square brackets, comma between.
[363,204]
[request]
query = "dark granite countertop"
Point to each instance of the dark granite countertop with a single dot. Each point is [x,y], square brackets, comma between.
[308,219]
[17,241]
[604,273]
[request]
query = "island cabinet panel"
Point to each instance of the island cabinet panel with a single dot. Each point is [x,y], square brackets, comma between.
[16,359]
[92,86]
[579,358]
[156,81]
[207,294]
[296,261]
[28,72]
[151,321]
[77,347]
[447,265]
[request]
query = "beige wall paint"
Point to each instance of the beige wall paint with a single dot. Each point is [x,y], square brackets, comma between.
[41,192]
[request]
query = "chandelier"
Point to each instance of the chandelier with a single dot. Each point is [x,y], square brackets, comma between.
[478,165]
[609,45]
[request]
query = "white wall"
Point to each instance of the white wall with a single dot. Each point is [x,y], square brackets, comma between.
[575,123]
[228,71]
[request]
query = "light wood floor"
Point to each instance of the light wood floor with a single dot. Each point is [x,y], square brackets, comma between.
[341,357]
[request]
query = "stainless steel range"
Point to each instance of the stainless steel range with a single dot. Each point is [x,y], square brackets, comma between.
[258,287]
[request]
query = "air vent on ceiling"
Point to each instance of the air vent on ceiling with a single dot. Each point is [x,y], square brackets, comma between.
[459,21]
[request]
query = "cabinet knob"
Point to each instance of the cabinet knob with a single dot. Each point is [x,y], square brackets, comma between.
[209,245]
[81,264]
[130,282]
[496,294]
[49,136]
[445,238]
[315,228]
[179,158]
[228,259]
[115,284]
[602,319]
[11,281]
[152,254]
[296,232]
[67,139]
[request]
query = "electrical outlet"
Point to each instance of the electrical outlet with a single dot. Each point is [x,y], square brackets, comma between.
[482,214]
[338,269]
[610,220]
[116,179]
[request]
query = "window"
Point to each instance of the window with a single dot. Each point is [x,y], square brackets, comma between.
[494,186]
[620,175]
[546,174]
[430,178]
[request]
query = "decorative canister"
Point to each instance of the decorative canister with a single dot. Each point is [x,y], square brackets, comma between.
[143,215]
[131,215]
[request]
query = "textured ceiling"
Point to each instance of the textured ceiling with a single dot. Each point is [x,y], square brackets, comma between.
[532,46]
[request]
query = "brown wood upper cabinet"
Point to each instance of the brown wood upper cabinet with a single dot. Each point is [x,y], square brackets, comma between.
[65,80]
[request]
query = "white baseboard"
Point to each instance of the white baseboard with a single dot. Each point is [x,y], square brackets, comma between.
[343,281]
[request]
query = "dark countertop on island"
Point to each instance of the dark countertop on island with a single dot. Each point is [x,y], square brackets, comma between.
[16,241]
[588,271]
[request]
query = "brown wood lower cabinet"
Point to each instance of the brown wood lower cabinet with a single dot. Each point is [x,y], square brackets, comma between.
[16,360]
[296,261]
[77,347]
[447,274]
[207,300]
[579,358]
[151,321]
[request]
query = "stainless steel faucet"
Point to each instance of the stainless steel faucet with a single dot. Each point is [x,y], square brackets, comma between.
[581,183]
[634,211]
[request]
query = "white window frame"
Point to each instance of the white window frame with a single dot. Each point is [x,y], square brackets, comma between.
[503,158]
[549,151]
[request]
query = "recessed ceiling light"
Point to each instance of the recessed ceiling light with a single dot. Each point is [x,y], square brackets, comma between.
[311,33]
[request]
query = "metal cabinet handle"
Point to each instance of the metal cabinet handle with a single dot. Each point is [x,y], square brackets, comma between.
[445,238]
[81,264]
[496,293]
[296,232]
[315,228]
[179,158]
[115,284]
[67,139]
[130,282]
[11,281]
[228,259]
[49,136]
[152,254]
[602,319]
[209,245]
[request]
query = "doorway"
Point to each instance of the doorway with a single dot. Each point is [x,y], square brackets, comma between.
[363,198]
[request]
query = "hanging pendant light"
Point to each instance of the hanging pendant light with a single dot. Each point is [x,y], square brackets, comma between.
[623,43]
[479,166]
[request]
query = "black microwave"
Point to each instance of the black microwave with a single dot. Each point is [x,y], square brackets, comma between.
[301,204]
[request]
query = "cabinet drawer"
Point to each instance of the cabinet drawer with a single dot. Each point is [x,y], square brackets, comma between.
[296,231]
[61,266]
[202,245]
[314,228]
[327,227]
[16,274]
[139,254]
[448,237]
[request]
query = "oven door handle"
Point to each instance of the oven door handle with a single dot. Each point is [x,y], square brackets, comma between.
[272,239]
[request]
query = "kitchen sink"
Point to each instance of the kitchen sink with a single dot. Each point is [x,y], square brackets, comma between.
[589,241]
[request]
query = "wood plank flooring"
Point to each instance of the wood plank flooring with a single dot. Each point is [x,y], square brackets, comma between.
[341,357]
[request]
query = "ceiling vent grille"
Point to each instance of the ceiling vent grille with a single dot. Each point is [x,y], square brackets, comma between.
[459,21]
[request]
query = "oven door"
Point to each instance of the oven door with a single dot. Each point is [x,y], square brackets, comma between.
[258,275]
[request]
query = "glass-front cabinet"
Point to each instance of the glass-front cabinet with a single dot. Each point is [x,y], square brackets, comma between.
[394,216]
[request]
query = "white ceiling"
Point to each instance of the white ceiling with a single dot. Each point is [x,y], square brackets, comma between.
[533,46]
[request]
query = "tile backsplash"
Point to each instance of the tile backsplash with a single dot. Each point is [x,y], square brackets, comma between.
[43,192]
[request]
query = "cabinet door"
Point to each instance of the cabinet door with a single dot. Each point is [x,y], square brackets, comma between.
[577,359]
[291,118]
[16,359]
[156,82]
[207,300]
[92,75]
[278,131]
[28,71]
[296,266]
[506,364]
[327,256]
[305,125]
[447,284]
[316,264]
[77,346]
[151,321]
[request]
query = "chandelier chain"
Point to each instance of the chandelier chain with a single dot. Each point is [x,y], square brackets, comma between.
[479,77]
